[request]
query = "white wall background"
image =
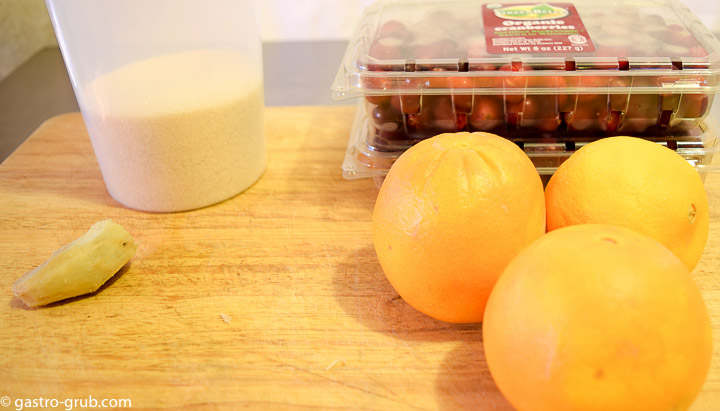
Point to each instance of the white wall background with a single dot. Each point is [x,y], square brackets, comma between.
[289,20]
[25,26]
[708,11]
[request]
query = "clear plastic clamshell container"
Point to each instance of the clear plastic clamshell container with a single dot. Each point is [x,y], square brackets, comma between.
[558,73]
[697,145]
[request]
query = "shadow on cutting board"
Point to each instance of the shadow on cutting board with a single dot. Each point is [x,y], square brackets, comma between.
[464,381]
[365,294]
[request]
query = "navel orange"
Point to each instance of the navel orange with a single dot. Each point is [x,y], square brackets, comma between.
[451,214]
[633,183]
[597,317]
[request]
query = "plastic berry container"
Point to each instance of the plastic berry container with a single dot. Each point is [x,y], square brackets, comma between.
[697,145]
[560,73]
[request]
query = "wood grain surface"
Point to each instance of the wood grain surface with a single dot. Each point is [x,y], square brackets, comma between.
[272,299]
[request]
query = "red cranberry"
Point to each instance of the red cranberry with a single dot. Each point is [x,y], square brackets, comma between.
[385,49]
[588,116]
[437,115]
[540,112]
[693,106]
[462,93]
[393,28]
[487,114]
[514,83]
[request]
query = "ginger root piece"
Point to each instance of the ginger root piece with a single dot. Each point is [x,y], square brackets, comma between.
[78,268]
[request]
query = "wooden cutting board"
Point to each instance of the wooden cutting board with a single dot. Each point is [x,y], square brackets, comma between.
[272,299]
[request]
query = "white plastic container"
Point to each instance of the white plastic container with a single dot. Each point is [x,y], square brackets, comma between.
[172,95]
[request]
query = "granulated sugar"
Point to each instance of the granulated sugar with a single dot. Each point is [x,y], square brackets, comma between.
[180,131]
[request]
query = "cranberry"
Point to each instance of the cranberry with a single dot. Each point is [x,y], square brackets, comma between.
[395,103]
[513,83]
[385,117]
[377,99]
[462,93]
[642,113]
[409,89]
[393,28]
[389,128]
[495,82]
[588,116]
[556,83]
[540,112]
[693,106]
[387,48]
[442,81]
[592,85]
[643,106]
[375,85]
[679,38]
[487,114]
[697,52]
[613,121]
[437,115]
[410,103]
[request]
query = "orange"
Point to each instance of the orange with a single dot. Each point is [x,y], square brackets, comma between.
[597,317]
[633,183]
[451,214]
